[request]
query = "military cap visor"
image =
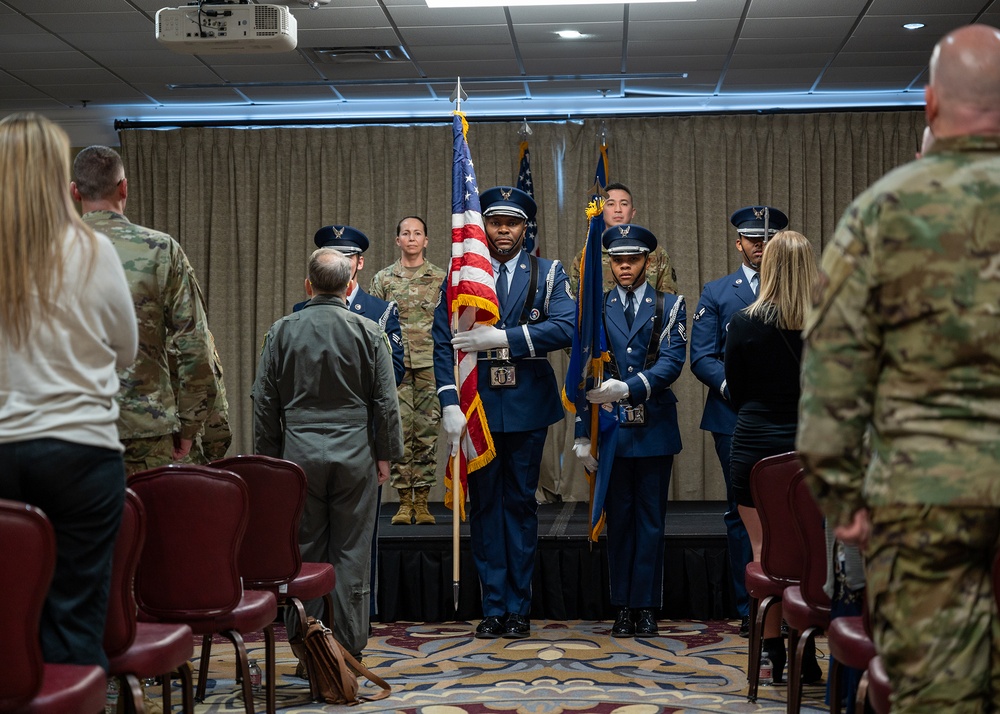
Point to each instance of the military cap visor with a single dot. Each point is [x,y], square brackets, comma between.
[348,240]
[507,201]
[628,239]
[750,221]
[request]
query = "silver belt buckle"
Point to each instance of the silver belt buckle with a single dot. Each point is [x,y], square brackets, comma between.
[501,354]
[503,375]
[633,416]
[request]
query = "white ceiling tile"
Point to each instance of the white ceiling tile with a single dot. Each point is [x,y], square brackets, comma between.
[44,60]
[780,28]
[660,31]
[701,10]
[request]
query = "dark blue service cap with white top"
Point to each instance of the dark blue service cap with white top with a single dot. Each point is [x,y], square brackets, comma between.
[349,241]
[628,239]
[507,201]
[750,221]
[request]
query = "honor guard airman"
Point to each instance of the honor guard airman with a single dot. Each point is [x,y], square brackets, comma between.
[646,331]
[520,396]
[719,300]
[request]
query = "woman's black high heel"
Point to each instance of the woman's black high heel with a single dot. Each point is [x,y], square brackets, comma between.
[811,671]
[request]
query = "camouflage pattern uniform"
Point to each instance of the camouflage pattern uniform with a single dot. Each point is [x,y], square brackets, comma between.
[170,314]
[415,291]
[905,344]
[216,437]
[660,273]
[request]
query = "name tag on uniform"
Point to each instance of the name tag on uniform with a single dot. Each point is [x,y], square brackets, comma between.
[503,375]
[633,416]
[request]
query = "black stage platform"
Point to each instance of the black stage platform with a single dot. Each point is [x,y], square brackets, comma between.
[571,574]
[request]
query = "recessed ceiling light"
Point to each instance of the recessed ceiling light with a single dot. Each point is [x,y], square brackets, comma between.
[913,25]
[535,3]
[570,34]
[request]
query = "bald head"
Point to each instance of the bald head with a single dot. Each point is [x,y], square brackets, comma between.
[963,96]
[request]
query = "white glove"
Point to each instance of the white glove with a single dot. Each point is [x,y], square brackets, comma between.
[581,447]
[453,423]
[612,390]
[479,338]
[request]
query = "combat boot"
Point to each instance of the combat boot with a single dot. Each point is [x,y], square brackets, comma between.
[423,516]
[404,516]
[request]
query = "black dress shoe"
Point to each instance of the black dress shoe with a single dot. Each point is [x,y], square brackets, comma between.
[624,624]
[745,626]
[645,624]
[490,628]
[517,626]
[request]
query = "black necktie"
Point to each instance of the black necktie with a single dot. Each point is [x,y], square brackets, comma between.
[502,285]
[630,308]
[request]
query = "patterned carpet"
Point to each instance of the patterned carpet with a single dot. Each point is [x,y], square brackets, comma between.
[694,666]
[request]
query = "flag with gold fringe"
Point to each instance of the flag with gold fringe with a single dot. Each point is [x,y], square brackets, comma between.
[472,300]
[590,352]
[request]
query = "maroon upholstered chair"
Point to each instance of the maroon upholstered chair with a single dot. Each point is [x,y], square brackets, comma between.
[27,683]
[805,606]
[879,687]
[188,571]
[270,558]
[851,646]
[137,650]
[781,554]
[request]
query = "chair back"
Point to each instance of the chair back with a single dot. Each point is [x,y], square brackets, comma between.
[120,628]
[809,527]
[270,556]
[26,571]
[770,480]
[195,520]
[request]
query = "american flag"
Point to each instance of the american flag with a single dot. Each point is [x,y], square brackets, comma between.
[472,299]
[524,183]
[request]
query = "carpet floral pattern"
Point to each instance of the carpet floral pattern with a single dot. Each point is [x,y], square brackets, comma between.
[438,668]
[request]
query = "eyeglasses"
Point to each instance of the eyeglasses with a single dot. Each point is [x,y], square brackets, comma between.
[120,181]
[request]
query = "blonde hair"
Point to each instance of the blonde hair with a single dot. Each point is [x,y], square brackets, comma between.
[787,276]
[35,212]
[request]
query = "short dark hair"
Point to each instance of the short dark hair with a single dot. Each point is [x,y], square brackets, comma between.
[96,172]
[399,226]
[329,271]
[616,186]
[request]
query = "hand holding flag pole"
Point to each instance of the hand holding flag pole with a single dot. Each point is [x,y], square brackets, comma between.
[471,301]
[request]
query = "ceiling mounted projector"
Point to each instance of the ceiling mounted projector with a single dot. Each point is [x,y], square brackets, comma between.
[227,28]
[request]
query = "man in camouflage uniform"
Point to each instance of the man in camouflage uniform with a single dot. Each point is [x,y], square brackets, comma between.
[905,345]
[413,283]
[216,436]
[157,423]
[619,209]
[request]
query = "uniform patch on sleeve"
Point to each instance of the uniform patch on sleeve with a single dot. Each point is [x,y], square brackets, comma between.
[697,315]
[569,291]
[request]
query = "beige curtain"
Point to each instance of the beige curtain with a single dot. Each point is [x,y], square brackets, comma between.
[245,203]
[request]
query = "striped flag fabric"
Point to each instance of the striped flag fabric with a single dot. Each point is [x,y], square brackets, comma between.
[524,183]
[472,300]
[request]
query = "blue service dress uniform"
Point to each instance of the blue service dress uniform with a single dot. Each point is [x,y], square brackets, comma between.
[719,300]
[636,500]
[502,517]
